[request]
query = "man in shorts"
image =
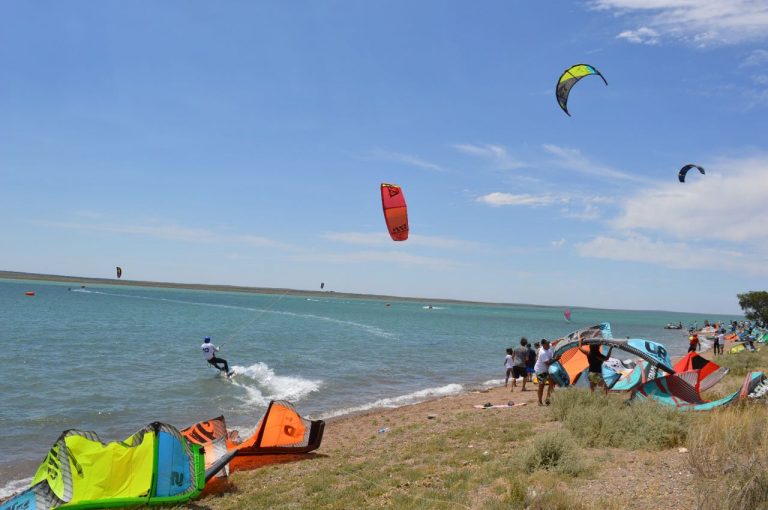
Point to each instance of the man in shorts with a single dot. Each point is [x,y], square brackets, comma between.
[543,360]
[520,359]
[595,359]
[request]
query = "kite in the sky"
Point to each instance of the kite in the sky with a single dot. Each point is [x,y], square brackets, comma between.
[119,271]
[395,211]
[569,78]
[684,170]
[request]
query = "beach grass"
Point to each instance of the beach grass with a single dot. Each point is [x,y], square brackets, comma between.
[558,457]
[598,420]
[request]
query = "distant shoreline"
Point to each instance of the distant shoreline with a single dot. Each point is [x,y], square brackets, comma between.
[82,280]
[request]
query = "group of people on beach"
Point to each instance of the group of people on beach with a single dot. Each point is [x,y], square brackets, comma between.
[526,363]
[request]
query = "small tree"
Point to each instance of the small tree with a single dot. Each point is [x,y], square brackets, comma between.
[755,305]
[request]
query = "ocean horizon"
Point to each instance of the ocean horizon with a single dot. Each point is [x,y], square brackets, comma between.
[112,358]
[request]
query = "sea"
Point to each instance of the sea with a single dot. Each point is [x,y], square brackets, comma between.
[113,358]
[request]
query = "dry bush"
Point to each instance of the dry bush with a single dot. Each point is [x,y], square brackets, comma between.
[728,452]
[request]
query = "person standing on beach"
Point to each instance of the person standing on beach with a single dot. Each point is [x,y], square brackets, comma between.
[521,357]
[596,360]
[719,342]
[531,361]
[693,342]
[209,353]
[543,361]
[509,364]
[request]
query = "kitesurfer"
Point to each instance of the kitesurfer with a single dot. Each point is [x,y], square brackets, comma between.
[543,361]
[209,352]
[596,360]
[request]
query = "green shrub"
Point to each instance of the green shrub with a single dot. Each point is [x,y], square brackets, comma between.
[553,451]
[607,421]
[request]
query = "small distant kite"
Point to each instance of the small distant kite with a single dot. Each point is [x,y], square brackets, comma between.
[322,284]
[119,271]
[395,211]
[569,78]
[684,170]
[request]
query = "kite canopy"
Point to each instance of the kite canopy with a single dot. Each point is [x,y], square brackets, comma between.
[395,211]
[709,372]
[280,430]
[119,271]
[569,78]
[682,391]
[571,362]
[683,171]
[154,465]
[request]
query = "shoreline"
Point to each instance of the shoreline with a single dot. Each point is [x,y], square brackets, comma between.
[19,275]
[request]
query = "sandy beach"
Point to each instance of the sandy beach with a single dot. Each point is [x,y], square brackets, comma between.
[405,457]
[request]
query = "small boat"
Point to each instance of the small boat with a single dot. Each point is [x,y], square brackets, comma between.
[29,293]
[673,326]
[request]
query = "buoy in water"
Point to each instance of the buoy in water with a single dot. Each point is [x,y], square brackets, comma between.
[29,293]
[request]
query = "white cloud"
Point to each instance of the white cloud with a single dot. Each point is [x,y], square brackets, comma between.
[642,35]
[756,58]
[388,257]
[496,154]
[383,239]
[638,248]
[702,22]
[498,199]
[407,159]
[728,203]
[559,243]
[573,159]
[169,232]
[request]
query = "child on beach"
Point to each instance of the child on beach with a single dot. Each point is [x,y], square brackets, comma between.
[508,364]
[543,360]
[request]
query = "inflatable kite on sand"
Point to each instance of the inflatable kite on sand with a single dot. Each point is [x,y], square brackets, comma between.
[280,431]
[153,466]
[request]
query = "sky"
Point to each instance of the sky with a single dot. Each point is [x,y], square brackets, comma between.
[244,143]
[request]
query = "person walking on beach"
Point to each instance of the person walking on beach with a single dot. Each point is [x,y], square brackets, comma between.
[509,364]
[693,342]
[543,360]
[596,360]
[209,353]
[531,361]
[521,357]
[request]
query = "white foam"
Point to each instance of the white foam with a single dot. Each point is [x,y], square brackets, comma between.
[13,487]
[410,398]
[492,383]
[262,385]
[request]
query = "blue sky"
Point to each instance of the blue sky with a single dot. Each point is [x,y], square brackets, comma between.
[244,143]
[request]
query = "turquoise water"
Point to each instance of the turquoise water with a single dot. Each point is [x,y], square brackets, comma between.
[114,358]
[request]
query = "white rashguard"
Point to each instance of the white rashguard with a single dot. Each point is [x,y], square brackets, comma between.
[544,356]
[209,350]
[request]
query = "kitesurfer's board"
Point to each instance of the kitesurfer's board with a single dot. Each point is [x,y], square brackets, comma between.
[499,406]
